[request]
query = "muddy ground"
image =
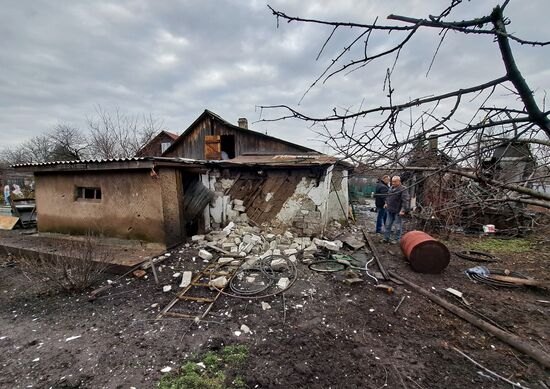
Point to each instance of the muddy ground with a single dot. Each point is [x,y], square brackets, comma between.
[322,334]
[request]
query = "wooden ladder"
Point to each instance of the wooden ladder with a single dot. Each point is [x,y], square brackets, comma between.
[197,284]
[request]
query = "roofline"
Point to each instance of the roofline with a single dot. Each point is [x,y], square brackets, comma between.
[170,134]
[230,125]
[135,163]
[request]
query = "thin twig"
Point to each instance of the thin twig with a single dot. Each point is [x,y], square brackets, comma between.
[284,309]
[414,382]
[400,377]
[489,371]
[398,305]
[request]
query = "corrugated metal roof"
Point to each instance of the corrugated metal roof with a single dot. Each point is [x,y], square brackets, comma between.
[285,159]
[53,163]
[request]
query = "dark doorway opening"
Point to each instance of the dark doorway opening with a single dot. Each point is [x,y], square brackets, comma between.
[228,146]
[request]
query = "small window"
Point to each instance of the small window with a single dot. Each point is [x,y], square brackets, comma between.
[88,194]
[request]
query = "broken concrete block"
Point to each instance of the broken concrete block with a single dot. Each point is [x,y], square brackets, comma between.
[186,279]
[228,228]
[333,246]
[234,249]
[265,306]
[266,254]
[292,258]
[270,237]
[239,208]
[273,244]
[219,282]
[290,252]
[205,255]
[167,288]
[278,264]
[288,235]
[283,283]
[312,248]
[196,238]
[223,260]
[238,202]
[245,329]
[237,241]
[276,252]
[139,273]
[176,275]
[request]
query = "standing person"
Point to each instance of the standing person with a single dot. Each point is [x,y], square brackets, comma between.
[397,202]
[380,194]
[7,195]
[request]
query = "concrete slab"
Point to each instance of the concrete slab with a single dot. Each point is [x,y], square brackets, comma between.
[119,255]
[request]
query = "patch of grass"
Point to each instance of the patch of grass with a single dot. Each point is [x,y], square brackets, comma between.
[502,246]
[214,374]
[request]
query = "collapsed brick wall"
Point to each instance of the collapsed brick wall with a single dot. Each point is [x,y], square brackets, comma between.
[296,199]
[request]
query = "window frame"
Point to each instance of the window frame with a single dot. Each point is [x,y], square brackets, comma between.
[82,194]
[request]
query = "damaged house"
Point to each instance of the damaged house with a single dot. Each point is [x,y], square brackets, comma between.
[215,172]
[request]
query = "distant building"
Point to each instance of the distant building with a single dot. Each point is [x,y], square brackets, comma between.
[158,145]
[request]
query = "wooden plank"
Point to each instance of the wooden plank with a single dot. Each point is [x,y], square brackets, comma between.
[8,222]
[376,256]
[520,281]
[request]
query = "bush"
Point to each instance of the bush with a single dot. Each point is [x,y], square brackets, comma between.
[78,268]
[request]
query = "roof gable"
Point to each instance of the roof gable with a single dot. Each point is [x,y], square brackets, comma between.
[208,113]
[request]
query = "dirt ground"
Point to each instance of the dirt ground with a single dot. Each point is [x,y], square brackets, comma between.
[321,334]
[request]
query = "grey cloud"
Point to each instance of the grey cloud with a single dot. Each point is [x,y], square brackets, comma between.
[173,59]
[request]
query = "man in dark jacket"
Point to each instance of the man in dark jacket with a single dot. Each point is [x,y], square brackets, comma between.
[380,193]
[397,202]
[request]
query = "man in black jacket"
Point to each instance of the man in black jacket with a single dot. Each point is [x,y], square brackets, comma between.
[380,193]
[397,202]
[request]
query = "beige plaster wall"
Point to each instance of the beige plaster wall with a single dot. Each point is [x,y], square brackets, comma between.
[130,208]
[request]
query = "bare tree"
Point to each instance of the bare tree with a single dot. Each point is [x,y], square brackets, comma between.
[389,134]
[69,143]
[63,142]
[114,134]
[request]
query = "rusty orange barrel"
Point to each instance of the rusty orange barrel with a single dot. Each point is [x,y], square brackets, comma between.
[425,254]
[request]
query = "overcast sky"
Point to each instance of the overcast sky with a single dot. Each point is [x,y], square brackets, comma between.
[59,60]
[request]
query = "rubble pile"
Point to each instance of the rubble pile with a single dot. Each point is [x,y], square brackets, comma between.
[250,242]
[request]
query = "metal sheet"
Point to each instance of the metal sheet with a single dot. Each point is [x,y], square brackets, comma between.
[8,222]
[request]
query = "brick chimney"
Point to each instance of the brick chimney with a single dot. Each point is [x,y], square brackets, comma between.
[432,143]
[243,123]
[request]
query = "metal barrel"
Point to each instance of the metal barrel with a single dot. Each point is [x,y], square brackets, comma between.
[425,254]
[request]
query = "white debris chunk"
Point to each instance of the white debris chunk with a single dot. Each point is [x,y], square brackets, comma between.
[219,282]
[72,338]
[278,264]
[290,252]
[270,237]
[265,306]
[196,238]
[238,333]
[186,279]
[283,283]
[166,369]
[228,228]
[205,255]
[223,260]
[167,288]
[176,275]
[245,329]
